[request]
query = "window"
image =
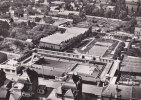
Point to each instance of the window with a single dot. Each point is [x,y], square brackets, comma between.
[13,71]
[7,70]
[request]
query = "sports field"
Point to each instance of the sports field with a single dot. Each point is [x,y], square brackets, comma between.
[97,50]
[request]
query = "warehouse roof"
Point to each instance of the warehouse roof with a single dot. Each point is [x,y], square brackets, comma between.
[58,38]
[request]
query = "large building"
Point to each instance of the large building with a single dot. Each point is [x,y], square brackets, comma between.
[63,40]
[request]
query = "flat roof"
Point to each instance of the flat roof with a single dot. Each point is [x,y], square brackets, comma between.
[59,21]
[97,50]
[53,67]
[58,38]
[131,64]
[92,89]
[85,69]
[136,92]
[125,91]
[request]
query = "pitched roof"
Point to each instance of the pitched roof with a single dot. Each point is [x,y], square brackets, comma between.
[59,90]
[3,93]
[32,74]
[15,96]
[69,93]
[58,38]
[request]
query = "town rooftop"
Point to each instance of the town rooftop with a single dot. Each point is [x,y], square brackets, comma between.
[58,38]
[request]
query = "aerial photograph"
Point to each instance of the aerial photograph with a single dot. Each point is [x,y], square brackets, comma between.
[70,49]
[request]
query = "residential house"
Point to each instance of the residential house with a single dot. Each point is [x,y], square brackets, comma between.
[26,85]
[137,31]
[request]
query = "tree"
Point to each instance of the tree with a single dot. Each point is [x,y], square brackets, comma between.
[49,20]
[19,44]
[123,14]
[82,14]
[46,10]
[4,28]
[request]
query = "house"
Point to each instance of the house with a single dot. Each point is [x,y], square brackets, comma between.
[26,85]
[71,89]
[16,91]
[137,31]
[19,12]
[29,79]
[108,8]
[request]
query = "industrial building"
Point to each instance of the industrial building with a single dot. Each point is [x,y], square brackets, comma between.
[61,41]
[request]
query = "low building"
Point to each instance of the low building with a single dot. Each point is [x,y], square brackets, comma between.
[137,31]
[121,92]
[10,66]
[30,80]
[61,41]
[26,85]
[130,73]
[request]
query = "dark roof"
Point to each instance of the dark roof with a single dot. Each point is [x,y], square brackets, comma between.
[33,75]
[2,73]
[3,57]
[69,93]
[136,93]
[7,82]
[42,87]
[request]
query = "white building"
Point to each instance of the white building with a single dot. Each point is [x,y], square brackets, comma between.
[10,66]
[137,31]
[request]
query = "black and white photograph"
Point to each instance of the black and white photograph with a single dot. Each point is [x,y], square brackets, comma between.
[70,49]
